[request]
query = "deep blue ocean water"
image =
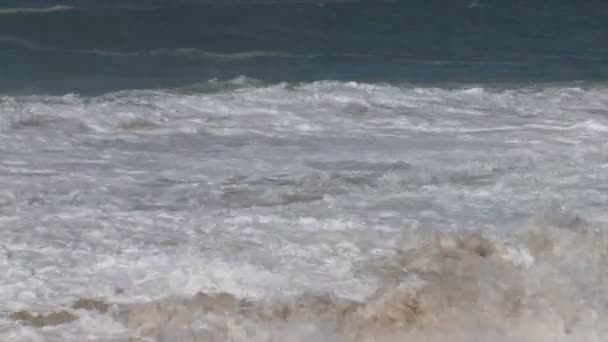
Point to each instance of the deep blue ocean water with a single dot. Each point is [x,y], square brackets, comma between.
[93,47]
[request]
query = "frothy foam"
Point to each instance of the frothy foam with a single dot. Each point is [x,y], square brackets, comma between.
[284,206]
[461,286]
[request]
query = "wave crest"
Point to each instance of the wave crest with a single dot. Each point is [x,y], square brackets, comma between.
[183,52]
[25,10]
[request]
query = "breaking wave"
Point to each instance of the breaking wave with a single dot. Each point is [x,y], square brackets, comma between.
[543,283]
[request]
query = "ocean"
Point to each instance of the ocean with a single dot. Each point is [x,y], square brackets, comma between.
[264,170]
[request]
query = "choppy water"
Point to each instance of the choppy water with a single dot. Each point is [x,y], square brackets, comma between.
[100,46]
[338,171]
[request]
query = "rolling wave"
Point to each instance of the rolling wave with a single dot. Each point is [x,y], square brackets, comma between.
[197,53]
[184,52]
[29,10]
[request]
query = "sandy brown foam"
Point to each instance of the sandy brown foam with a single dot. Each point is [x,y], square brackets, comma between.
[43,320]
[546,284]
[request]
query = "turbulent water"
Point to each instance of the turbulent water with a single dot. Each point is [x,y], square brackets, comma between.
[299,170]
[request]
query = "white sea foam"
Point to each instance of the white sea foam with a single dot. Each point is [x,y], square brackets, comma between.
[328,210]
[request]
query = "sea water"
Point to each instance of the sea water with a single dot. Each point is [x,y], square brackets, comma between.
[294,170]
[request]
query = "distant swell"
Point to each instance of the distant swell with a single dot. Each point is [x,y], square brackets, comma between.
[176,52]
[178,43]
[190,52]
[58,8]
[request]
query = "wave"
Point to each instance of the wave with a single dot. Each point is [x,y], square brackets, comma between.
[25,43]
[540,110]
[192,52]
[542,283]
[177,52]
[27,10]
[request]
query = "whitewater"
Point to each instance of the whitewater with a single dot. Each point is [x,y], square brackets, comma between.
[241,210]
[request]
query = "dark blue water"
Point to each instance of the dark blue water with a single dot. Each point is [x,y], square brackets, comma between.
[104,46]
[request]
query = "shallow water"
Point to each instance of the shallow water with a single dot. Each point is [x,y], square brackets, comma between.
[291,194]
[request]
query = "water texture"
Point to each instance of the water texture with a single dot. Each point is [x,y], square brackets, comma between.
[298,170]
